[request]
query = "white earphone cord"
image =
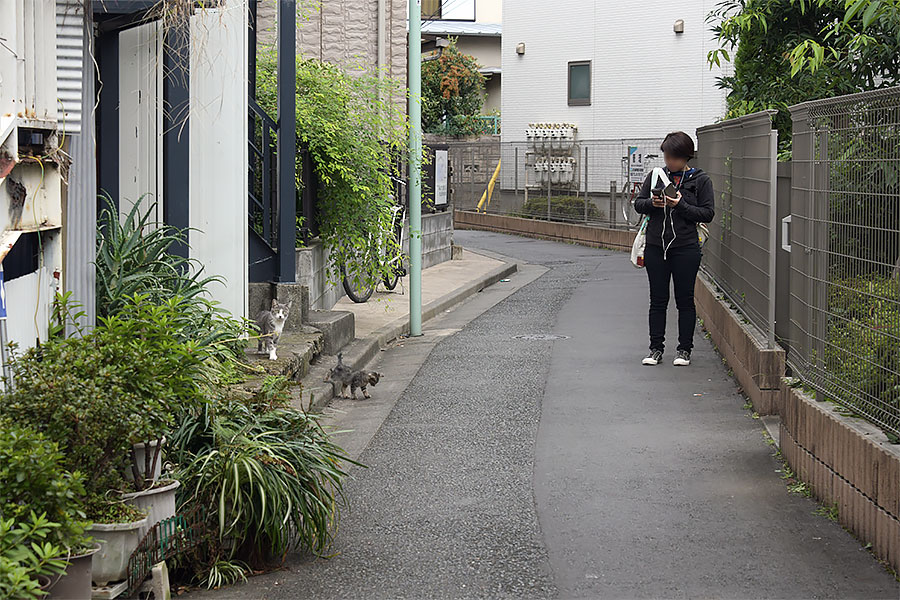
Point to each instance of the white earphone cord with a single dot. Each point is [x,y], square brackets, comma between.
[668,214]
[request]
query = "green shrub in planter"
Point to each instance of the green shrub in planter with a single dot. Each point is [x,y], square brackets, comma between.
[127,381]
[567,209]
[26,554]
[32,480]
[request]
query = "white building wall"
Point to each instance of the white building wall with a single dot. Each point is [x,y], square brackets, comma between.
[646,80]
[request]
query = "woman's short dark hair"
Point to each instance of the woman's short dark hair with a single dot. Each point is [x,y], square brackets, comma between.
[678,144]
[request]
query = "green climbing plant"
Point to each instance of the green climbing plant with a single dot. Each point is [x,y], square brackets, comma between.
[355,128]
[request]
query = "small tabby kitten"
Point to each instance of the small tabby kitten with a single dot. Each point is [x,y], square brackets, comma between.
[347,377]
[270,324]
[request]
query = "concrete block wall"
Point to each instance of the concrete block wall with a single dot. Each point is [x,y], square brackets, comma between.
[311,270]
[344,33]
[849,463]
[757,368]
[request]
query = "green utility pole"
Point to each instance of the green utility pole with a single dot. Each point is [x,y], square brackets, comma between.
[415,167]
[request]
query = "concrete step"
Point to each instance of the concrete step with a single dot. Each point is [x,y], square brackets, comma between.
[338,326]
[296,351]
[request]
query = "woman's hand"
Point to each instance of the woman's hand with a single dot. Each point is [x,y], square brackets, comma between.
[659,202]
[673,202]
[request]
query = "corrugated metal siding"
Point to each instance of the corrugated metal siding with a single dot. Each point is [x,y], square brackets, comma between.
[81,206]
[69,50]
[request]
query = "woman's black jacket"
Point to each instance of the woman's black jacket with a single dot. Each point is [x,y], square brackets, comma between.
[675,227]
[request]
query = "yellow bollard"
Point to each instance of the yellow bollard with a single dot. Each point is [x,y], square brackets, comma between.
[486,195]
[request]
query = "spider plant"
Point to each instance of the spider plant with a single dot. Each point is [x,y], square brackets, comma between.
[271,477]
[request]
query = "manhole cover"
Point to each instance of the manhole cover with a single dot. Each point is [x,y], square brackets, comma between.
[541,337]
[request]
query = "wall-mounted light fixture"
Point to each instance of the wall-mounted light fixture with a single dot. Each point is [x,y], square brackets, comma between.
[520,48]
[679,26]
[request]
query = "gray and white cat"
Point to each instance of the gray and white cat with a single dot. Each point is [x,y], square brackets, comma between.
[270,324]
[348,378]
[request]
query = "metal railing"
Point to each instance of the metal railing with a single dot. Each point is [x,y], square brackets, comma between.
[740,157]
[576,182]
[263,189]
[845,252]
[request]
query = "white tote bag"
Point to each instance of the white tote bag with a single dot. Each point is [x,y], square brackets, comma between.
[640,240]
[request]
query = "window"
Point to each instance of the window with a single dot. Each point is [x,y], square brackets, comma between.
[580,83]
[448,10]
[431,9]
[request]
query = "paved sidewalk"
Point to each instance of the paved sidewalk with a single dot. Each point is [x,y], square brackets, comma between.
[437,281]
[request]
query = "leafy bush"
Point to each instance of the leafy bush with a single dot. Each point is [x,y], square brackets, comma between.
[355,128]
[134,258]
[863,349]
[452,93]
[562,208]
[26,554]
[32,480]
[127,381]
[271,477]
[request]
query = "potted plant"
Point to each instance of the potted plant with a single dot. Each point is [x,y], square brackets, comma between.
[43,537]
[96,395]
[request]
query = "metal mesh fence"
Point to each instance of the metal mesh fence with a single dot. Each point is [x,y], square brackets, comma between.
[576,182]
[740,157]
[845,259]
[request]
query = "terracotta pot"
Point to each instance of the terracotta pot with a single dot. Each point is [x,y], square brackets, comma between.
[158,502]
[75,583]
[117,542]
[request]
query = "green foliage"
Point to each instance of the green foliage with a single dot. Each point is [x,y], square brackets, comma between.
[562,208]
[790,51]
[33,480]
[452,94]
[355,130]
[863,348]
[127,381]
[133,258]
[26,553]
[270,475]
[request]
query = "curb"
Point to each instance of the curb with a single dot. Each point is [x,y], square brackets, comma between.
[358,354]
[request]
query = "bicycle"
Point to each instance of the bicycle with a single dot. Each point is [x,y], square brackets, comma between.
[358,286]
[632,217]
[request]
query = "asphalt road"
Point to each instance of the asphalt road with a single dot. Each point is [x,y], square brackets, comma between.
[530,468]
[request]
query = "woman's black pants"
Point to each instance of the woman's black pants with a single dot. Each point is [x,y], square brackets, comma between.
[680,265]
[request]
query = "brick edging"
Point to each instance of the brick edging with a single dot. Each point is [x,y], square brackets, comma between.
[586,235]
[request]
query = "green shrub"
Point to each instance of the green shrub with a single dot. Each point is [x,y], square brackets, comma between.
[33,480]
[26,554]
[270,476]
[863,342]
[130,380]
[355,128]
[562,208]
[134,258]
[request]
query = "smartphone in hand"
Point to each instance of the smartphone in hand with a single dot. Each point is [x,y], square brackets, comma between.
[671,191]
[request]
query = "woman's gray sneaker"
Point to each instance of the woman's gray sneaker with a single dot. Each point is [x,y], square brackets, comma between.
[682,359]
[654,358]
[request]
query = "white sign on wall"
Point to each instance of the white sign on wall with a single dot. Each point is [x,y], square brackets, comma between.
[440,177]
[635,165]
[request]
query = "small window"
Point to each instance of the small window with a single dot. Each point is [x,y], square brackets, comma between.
[431,9]
[580,83]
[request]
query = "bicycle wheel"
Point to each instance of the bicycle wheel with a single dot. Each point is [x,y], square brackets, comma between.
[392,279]
[356,284]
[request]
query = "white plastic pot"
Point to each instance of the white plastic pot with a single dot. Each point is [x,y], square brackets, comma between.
[139,452]
[159,503]
[117,542]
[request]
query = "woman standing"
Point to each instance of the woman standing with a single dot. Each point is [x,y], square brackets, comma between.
[673,247]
